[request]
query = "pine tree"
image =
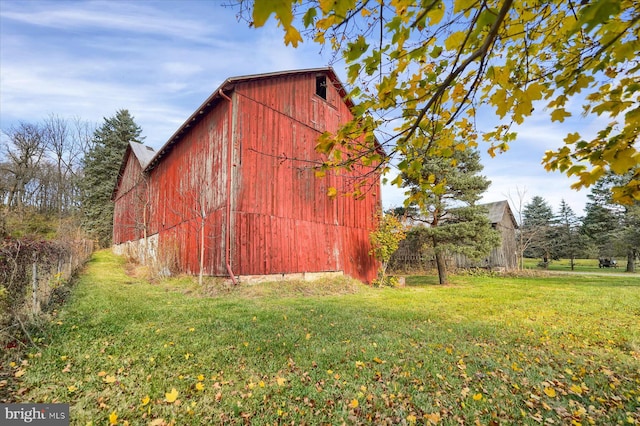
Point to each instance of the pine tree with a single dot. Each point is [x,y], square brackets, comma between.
[570,242]
[446,191]
[632,235]
[101,167]
[613,227]
[603,218]
[536,228]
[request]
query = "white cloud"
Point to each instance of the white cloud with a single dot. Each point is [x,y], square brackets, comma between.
[127,17]
[162,59]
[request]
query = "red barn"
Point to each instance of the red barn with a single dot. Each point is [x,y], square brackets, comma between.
[233,192]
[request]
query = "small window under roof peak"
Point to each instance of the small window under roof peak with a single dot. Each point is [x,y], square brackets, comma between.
[321,86]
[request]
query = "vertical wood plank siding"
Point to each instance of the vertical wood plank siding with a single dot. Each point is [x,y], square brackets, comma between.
[191,177]
[287,222]
[130,202]
[281,219]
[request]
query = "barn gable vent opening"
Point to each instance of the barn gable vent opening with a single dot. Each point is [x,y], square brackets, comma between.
[321,86]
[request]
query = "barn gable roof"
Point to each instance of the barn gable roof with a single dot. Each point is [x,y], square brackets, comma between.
[143,153]
[497,209]
[495,212]
[222,91]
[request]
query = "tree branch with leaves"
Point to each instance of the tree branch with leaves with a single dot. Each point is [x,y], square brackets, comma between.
[434,66]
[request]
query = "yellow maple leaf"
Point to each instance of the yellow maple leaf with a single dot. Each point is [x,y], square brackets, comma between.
[477,397]
[201,377]
[199,386]
[353,403]
[145,400]
[432,418]
[550,392]
[19,373]
[576,389]
[102,374]
[281,381]
[171,397]
[109,379]
[72,388]
[411,419]
[113,418]
[292,36]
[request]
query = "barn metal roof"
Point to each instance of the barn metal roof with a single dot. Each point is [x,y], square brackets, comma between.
[497,209]
[143,153]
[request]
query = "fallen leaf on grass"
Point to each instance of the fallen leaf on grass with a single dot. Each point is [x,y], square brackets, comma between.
[576,389]
[171,397]
[432,418]
[113,418]
[353,403]
[550,392]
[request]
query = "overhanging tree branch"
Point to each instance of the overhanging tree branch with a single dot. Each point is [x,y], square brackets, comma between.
[479,53]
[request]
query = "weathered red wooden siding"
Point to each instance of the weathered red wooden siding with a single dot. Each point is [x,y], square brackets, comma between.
[130,200]
[285,222]
[190,177]
[277,216]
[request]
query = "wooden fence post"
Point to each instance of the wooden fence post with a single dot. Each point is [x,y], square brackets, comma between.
[34,284]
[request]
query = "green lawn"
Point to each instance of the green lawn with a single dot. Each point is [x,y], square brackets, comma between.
[555,350]
[581,265]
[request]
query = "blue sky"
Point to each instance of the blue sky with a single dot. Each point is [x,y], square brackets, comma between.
[162,59]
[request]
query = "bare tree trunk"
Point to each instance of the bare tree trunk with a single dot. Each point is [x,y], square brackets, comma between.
[631,258]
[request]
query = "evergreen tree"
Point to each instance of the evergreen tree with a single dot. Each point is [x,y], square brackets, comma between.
[602,219]
[614,228]
[101,167]
[632,234]
[537,219]
[446,191]
[569,242]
